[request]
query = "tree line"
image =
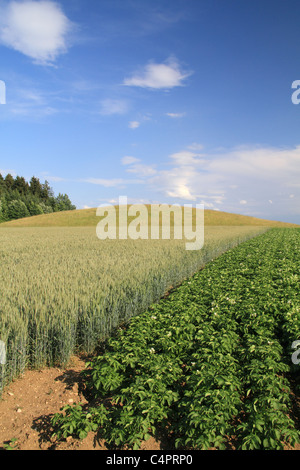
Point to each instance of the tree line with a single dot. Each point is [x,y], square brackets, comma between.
[20,198]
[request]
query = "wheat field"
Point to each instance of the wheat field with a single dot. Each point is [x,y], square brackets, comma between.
[64,290]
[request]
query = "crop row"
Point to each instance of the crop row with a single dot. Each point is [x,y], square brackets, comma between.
[209,364]
[63,289]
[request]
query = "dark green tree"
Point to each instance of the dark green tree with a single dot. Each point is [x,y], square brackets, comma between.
[17,209]
[63,203]
[34,208]
[46,191]
[19,199]
[35,187]
[3,210]
[20,185]
[46,208]
[2,186]
[9,182]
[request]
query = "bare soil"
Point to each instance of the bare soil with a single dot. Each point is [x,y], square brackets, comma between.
[28,403]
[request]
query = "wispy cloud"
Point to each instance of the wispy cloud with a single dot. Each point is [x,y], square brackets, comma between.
[135,166]
[142,170]
[177,183]
[187,158]
[113,106]
[134,125]
[261,163]
[195,147]
[107,183]
[54,179]
[6,171]
[255,178]
[30,103]
[37,29]
[159,76]
[111,183]
[255,181]
[175,115]
[129,160]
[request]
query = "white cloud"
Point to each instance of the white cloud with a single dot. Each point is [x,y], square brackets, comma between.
[185,157]
[215,178]
[175,115]
[107,183]
[32,95]
[55,179]
[248,180]
[22,109]
[6,172]
[176,183]
[134,124]
[142,170]
[181,192]
[159,76]
[38,29]
[129,160]
[134,166]
[110,107]
[31,103]
[262,163]
[111,183]
[195,147]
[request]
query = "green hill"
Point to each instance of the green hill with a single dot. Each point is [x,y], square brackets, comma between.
[88,218]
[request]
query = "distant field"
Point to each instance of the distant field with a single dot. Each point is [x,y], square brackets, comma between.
[88,218]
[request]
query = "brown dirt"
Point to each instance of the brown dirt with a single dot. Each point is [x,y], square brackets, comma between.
[28,403]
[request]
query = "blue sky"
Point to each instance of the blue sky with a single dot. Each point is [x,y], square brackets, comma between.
[170,101]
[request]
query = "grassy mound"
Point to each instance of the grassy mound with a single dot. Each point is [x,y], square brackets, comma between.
[88,218]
